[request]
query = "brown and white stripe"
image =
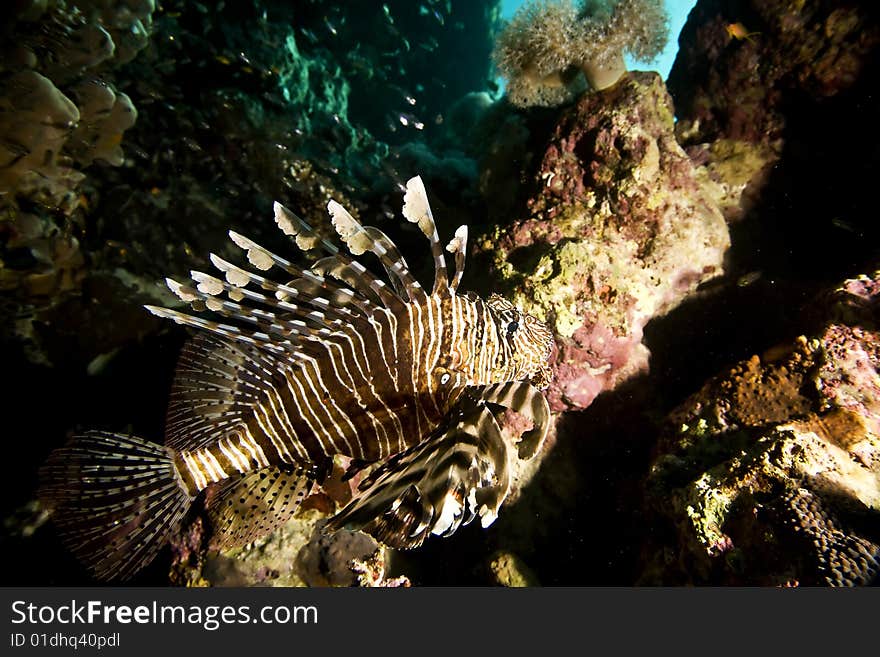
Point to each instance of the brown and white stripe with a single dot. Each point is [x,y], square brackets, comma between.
[284,376]
[335,361]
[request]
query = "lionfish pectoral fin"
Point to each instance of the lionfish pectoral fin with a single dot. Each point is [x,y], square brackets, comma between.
[530,444]
[242,510]
[523,398]
[115,500]
[435,487]
[354,467]
[216,386]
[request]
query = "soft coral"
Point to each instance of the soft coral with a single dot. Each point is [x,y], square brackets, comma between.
[549,43]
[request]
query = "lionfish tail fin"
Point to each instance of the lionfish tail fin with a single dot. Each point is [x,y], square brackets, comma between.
[417,210]
[436,487]
[115,500]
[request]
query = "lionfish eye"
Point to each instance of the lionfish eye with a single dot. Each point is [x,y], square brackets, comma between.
[445,379]
[512,327]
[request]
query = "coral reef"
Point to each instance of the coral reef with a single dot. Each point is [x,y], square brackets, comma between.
[748,110]
[770,474]
[52,92]
[61,116]
[36,121]
[765,476]
[548,44]
[104,116]
[619,232]
[129,23]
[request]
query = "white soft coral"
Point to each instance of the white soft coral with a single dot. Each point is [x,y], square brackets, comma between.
[548,44]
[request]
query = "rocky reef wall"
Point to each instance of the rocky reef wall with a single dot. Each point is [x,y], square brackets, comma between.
[702,249]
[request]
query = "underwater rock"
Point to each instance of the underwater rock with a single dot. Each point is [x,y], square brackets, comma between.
[733,172]
[619,231]
[270,561]
[770,474]
[727,85]
[509,570]
[329,559]
[752,77]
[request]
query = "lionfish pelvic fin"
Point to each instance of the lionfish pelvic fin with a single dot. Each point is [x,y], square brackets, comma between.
[460,472]
[243,510]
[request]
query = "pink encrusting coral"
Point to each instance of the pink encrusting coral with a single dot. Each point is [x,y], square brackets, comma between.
[550,48]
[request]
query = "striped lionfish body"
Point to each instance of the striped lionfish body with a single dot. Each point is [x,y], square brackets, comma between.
[285,376]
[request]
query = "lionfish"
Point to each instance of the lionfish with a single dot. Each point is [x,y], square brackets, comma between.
[333,362]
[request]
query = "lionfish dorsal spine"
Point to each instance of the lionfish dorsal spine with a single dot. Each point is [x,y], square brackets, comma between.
[228,331]
[458,247]
[310,290]
[360,239]
[417,210]
[336,264]
[370,292]
[305,237]
[270,324]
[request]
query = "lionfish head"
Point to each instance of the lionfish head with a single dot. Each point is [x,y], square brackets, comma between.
[529,342]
